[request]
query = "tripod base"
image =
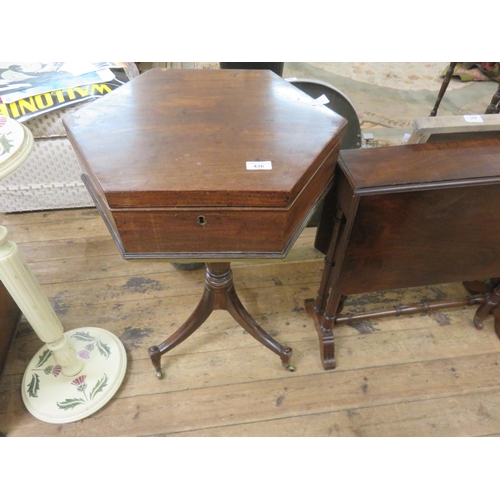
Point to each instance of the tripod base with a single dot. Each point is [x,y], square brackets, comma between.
[219,293]
[53,397]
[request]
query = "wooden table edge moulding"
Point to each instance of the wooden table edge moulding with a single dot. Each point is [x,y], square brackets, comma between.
[408,216]
[208,166]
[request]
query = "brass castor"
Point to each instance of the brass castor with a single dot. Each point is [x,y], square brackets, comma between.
[285,355]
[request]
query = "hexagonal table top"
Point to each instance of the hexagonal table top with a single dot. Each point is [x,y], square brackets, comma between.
[184,137]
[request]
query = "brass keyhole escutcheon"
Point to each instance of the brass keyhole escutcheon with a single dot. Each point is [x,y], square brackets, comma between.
[202,221]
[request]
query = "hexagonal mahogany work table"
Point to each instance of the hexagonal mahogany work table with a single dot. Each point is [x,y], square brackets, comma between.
[207,165]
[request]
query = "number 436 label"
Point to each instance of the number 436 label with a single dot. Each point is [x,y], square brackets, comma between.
[259,165]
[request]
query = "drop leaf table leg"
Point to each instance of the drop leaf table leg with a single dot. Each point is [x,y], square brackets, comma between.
[491,305]
[493,107]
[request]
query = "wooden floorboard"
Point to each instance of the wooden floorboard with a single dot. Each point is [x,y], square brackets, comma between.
[421,375]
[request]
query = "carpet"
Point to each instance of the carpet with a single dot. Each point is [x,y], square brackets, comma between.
[388,96]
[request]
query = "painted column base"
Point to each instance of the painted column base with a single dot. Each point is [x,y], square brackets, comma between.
[53,397]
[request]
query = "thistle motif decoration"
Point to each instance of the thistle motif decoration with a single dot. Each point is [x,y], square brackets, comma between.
[93,346]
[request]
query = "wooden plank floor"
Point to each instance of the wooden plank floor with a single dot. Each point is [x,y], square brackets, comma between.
[422,375]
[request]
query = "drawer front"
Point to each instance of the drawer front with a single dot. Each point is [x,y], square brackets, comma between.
[203,232]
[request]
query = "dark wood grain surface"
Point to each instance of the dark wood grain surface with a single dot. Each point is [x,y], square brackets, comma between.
[427,237]
[416,215]
[183,137]
[165,159]
[422,164]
